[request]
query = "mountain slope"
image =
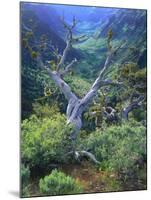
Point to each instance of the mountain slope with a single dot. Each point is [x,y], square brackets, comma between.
[126,24]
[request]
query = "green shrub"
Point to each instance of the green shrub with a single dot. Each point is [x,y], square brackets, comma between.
[139,114]
[44,140]
[25,175]
[58,183]
[45,111]
[119,148]
[78,85]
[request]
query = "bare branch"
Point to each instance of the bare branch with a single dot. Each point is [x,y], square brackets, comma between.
[56,52]
[78,154]
[110,82]
[68,67]
[67,26]
[64,55]
[68,42]
[90,156]
[133,105]
[92,92]
[63,86]
[26,28]
[97,84]
[80,38]
[74,23]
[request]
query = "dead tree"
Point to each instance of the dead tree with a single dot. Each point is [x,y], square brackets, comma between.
[76,106]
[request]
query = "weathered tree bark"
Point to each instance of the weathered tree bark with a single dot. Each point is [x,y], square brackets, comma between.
[79,154]
[77,106]
[133,105]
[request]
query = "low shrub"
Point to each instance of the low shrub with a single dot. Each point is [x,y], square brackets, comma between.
[58,183]
[46,110]
[119,148]
[44,141]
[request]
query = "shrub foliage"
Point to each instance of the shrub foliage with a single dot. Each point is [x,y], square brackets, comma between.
[44,141]
[58,183]
[119,148]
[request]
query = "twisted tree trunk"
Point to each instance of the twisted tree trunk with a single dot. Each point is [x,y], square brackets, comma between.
[133,105]
[77,106]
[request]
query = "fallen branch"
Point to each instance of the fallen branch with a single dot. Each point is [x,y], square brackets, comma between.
[90,156]
[78,154]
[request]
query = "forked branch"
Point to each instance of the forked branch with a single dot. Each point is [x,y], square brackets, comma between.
[69,41]
[68,67]
[63,86]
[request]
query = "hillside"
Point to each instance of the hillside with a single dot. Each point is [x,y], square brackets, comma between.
[84,99]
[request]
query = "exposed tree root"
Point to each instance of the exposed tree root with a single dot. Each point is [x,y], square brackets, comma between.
[79,154]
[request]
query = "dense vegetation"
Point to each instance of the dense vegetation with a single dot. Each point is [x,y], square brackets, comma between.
[108,152]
